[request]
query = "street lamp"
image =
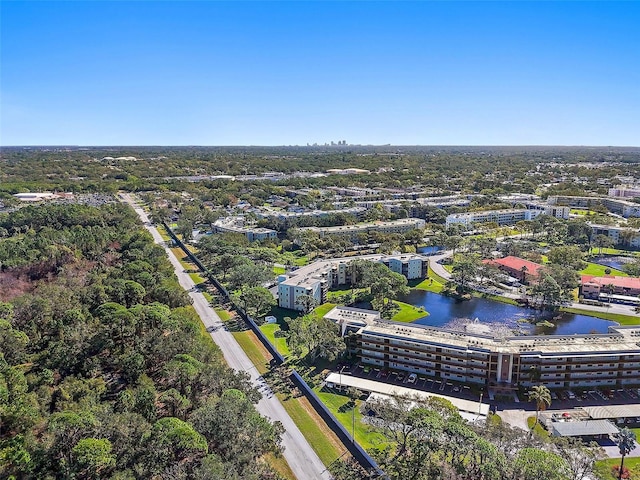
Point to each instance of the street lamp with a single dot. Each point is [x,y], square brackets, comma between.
[340,376]
[480,403]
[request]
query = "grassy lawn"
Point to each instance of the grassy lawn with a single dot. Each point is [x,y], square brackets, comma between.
[224,315]
[179,253]
[280,313]
[408,313]
[603,468]
[254,349]
[208,296]
[163,233]
[598,270]
[429,284]
[323,441]
[615,317]
[436,278]
[280,343]
[279,270]
[197,278]
[280,465]
[339,406]
[323,309]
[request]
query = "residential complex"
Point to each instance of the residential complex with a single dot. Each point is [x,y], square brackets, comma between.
[508,216]
[518,268]
[611,289]
[351,231]
[615,205]
[625,191]
[316,279]
[619,235]
[556,361]
[236,225]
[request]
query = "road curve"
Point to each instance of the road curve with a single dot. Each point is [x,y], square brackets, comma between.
[304,462]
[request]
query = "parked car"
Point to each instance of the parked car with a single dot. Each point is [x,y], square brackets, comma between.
[400,377]
[412,378]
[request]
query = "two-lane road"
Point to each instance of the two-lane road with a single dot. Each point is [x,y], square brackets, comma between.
[304,462]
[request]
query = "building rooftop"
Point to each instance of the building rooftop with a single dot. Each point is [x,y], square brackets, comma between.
[621,282]
[586,428]
[517,263]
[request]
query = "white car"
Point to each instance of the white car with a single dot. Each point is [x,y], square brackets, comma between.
[412,378]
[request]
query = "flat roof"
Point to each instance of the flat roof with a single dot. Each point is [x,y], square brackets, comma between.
[613,411]
[585,428]
[372,386]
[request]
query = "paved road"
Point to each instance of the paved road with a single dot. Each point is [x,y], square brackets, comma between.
[611,308]
[301,458]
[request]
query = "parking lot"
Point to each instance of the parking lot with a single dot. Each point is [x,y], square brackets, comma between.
[419,382]
[561,399]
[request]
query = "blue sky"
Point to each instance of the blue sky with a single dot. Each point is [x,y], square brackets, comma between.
[241,73]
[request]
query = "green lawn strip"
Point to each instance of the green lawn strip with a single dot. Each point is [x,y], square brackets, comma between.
[408,312]
[323,441]
[279,270]
[223,314]
[208,296]
[339,406]
[317,433]
[180,255]
[598,270]
[437,278]
[323,309]
[615,317]
[163,233]
[197,278]
[603,469]
[269,330]
[250,347]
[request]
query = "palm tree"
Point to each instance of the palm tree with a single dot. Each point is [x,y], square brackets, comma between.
[626,440]
[611,288]
[542,396]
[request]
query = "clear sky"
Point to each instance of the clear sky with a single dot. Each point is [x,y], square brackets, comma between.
[238,73]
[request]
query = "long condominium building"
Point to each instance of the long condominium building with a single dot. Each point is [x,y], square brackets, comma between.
[315,280]
[556,361]
[615,205]
[394,226]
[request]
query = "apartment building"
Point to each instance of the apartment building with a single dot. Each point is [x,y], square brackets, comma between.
[507,216]
[619,235]
[597,360]
[236,225]
[516,267]
[316,279]
[351,231]
[625,191]
[615,205]
[610,288]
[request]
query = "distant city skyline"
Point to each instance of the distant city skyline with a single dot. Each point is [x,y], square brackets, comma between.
[297,73]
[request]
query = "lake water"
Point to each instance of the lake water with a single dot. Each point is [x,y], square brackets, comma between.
[447,312]
[430,250]
[612,261]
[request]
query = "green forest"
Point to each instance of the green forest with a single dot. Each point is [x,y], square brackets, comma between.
[105,369]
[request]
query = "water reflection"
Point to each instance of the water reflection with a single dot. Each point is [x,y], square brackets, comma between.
[447,312]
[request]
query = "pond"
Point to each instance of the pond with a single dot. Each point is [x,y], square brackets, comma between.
[430,250]
[451,313]
[613,261]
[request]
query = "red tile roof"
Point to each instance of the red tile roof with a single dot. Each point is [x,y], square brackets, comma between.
[621,282]
[516,263]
